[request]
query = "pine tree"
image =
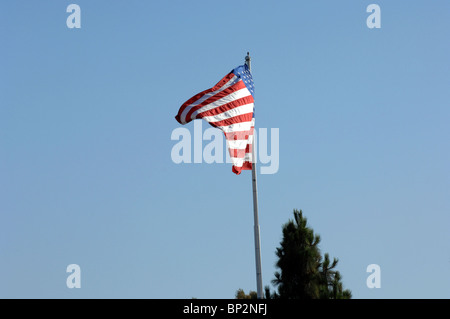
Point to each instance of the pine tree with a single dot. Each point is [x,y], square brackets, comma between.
[240,294]
[302,272]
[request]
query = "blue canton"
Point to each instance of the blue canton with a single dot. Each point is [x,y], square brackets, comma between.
[244,73]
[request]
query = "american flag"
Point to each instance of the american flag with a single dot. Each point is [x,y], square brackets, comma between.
[227,106]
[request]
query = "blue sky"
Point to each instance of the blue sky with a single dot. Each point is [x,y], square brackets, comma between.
[86,117]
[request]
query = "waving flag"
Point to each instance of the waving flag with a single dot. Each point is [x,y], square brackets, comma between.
[229,107]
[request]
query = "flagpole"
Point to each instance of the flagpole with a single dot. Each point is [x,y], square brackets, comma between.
[259,287]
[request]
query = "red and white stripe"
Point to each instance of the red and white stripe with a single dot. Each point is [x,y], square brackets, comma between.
[229,107]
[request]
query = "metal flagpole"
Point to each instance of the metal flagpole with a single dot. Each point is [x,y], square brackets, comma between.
[259,287]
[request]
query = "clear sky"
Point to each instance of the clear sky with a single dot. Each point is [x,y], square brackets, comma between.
[86,117]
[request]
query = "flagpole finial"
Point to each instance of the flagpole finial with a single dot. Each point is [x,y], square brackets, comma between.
[247,60]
